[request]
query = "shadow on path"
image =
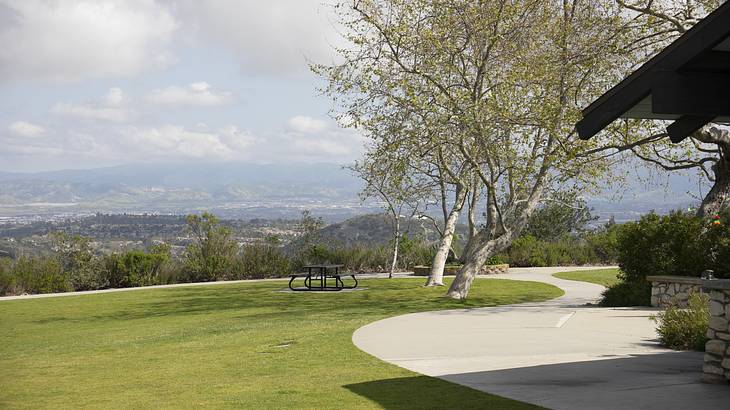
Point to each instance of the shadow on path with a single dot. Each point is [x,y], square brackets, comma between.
[653,381]
[423,392]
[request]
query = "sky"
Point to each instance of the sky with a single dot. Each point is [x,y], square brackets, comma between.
[97,83]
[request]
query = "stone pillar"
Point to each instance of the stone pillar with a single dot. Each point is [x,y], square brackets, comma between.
[716,367]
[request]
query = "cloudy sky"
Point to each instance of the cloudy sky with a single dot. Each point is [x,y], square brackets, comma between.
[99,83]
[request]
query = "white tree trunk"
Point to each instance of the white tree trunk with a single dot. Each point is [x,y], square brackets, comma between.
[486,243]
[436,275]
[475,259]
[471,216]
[396,242]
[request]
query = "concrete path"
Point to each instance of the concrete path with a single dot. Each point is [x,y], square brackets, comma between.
[559,354]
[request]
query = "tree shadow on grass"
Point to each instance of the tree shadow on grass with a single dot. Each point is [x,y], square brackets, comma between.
[384,299]
[266,301]
[423,392]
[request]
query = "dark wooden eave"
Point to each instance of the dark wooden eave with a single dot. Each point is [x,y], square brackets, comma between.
[688,82]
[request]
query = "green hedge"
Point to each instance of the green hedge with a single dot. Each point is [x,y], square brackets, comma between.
[528,251]
[33,275]
[676,244]
[679,244]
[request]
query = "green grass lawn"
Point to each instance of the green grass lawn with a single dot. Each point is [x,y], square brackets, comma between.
[237,345]
[604,277]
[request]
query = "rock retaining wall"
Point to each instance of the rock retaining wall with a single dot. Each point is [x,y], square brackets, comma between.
[716,367]
[673,290]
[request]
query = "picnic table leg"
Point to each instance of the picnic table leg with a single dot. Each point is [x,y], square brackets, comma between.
[338,280]
[290,281]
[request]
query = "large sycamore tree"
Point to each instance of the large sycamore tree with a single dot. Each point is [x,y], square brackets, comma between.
[652,26]
[493,88]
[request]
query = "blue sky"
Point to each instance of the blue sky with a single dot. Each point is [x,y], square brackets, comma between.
[99,83]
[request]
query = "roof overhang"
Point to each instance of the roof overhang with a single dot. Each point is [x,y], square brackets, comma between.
[688,83]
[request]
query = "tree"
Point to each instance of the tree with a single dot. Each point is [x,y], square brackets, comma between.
[78,260]
[135,268]
[309,228]
[653,25]
[453,177]
[496,88]
[400,193]
[564,215]
[212,252]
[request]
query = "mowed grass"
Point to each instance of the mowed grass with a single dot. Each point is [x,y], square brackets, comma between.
[604,277]
[243,345]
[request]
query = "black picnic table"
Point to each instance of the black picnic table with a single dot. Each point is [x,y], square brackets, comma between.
[321,273]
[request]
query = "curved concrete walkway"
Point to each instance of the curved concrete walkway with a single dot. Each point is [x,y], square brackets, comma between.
[561,354]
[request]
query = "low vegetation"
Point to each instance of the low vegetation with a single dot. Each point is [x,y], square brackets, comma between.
[680,243]
[677,244]
[243,345]
[685,329]
[627,293]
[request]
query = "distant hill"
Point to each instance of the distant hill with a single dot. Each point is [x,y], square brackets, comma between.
[243,190]
[232,189]
[373,230]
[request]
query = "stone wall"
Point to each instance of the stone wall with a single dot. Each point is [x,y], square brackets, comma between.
[672,290]
[716,368]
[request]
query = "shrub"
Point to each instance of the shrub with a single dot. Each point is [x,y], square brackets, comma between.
[213,251]
[367,258]
[716,244]
[496,260]
[568,250]
[7,280]
[356,258]
[134,268]
[259,261]
[627,293]
[603,243]
[38,275]
[414,252]
[685,329]
[662,245]
[76,256]
[171,271]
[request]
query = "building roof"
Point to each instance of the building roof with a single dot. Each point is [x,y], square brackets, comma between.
[687,82]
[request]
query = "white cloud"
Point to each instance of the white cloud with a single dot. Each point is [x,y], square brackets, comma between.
[26,129]
[114,97]
[198,93]
[174,141]
[306,125]
[111,109]
[310,139]
[268,37]
[90,112]
[71,40]
[237,139]
[94,144]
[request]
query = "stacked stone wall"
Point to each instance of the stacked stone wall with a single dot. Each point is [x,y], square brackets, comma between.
[716,367]
[673,290]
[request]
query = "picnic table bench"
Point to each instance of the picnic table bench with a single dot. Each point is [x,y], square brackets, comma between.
[321,273]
